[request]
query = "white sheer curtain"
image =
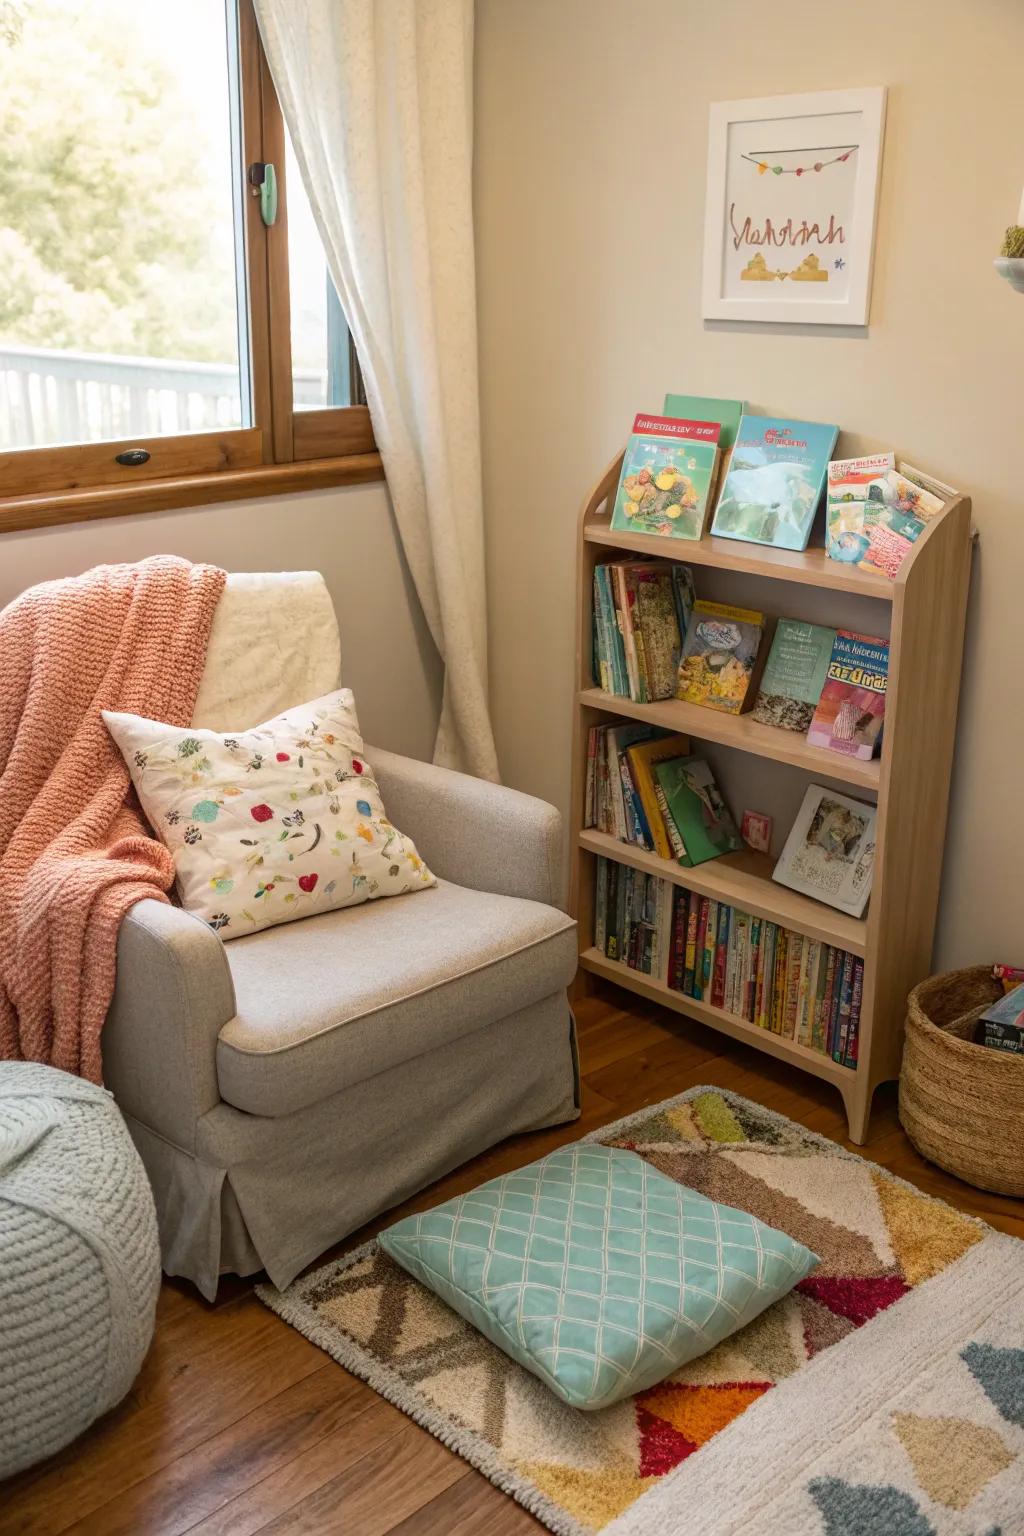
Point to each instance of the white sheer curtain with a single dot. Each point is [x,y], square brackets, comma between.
[377,95]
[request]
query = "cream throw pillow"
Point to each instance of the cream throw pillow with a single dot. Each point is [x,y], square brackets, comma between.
[266,825]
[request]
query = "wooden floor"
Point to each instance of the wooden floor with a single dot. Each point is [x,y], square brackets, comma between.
[238,1425]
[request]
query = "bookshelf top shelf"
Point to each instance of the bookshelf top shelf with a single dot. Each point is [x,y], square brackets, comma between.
[808,566]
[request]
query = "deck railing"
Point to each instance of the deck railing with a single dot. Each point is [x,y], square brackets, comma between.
[49,397]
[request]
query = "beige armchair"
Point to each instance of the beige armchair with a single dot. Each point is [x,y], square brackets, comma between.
[285,1087]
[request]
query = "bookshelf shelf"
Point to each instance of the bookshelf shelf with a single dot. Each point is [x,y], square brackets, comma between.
[925,610]
[743,880]
[810,566]
[742,732]
[658,991]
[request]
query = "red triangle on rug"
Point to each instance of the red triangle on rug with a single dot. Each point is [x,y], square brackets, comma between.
[661,1446]
[858,1297]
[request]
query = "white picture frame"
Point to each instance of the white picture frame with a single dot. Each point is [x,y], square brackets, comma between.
[792,178]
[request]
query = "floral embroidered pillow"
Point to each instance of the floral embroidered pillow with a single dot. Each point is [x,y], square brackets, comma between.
[267,825]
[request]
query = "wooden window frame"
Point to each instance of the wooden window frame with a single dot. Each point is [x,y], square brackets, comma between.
[284,450]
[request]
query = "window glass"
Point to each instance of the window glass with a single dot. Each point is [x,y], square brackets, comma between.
[119,280]
[321,357]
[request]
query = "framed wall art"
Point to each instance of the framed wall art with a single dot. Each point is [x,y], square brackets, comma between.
[791,201]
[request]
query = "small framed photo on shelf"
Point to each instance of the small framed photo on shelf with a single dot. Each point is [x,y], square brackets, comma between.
[792,193]
[757,831]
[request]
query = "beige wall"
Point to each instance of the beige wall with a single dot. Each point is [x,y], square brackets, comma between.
[387,655]
[591,144]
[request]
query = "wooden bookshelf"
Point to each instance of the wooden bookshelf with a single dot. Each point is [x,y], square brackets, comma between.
[924,611]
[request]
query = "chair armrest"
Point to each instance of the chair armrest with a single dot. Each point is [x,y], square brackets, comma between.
[172,997]
[472,832]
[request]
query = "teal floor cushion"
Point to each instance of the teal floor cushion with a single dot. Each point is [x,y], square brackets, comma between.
[597,1272]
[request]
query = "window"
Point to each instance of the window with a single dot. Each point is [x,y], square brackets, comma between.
[147,332]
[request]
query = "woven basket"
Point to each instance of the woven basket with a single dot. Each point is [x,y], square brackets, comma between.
[961,1104]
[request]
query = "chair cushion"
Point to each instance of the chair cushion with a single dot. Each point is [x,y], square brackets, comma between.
[338,998]
[595,1271]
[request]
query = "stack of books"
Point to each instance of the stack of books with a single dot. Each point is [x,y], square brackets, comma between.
[632,917]
[643,787]
[782,981]
[642,610]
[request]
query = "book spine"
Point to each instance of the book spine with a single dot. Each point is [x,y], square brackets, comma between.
[826,1001]
[625,621]
[763,959]
[808,973]
[646,789]
[691,942]
[636,623]
[842,1011]
[636,821]
[757,926]
[732,962]
[856,998]
[702,928]
[710,941]
[779,987]
[818,1001]
[602,668]
[677,960]
[601,904]
[721,962]
[678,846]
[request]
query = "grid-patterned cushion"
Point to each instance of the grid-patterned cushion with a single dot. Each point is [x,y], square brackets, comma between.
[595,1271]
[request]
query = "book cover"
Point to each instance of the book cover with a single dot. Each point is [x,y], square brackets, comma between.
[849,715]
[874,513]
[642,758]
[1008,1009]
[774,483]
[668,475]
[703,408]
[794,674]
[719,656]
[697,809]
[830,851]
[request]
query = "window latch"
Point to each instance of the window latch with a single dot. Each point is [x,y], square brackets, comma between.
[262,179]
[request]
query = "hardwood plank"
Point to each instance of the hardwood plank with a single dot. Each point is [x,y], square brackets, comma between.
[206,1369]
[276,1501]
[217,1472]
[469,1508]
[377,1493]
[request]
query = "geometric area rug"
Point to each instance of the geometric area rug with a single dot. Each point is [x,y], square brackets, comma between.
[884,1396]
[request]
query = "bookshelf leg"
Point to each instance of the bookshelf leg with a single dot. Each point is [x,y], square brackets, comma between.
[857,1100]
[582,985]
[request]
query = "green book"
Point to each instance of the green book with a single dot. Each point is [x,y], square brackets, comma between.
[702,408]
[698,810]
[794,675]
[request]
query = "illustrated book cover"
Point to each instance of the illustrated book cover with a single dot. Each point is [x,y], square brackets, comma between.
[668,477]
[794,674]
[719,656]
[830,851]
[696,807]
[874,513]
[703,408]
[775,480]
[849,715]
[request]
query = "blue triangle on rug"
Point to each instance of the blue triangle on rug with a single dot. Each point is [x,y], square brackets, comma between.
[860,1509]
[1001,1373]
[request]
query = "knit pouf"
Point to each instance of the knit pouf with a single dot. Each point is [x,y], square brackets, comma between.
[79,1260]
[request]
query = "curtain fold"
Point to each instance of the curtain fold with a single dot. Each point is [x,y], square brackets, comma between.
[377,96]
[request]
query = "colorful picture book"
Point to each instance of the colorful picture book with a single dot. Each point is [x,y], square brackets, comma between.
[696,810]
[875,513]
[794,674]
[850,713]
[632,916]
[668,477]
[642,760]
[641,610]
[781,981]
[719,656]
[830,850]
[775,481]
[703,408]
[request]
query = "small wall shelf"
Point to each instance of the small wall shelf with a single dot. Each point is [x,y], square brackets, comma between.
[924,614]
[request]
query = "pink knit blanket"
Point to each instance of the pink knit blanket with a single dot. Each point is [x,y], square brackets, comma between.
[75,852]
